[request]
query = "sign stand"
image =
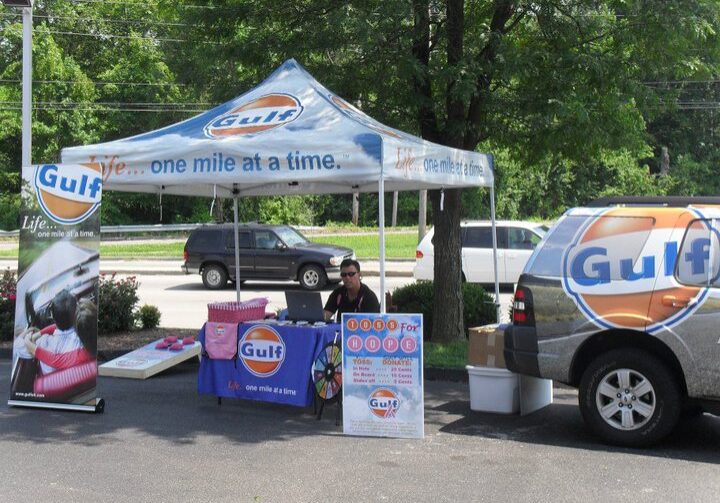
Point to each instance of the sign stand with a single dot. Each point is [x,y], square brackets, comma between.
[98,407]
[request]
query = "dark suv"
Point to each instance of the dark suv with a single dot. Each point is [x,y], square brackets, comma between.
[267,252]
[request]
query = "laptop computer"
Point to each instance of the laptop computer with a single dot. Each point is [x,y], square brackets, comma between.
[304,306]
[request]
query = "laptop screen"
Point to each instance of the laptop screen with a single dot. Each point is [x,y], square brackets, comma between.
[304,306]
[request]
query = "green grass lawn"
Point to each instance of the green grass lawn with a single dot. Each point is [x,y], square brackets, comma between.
[365,246]
[450,355]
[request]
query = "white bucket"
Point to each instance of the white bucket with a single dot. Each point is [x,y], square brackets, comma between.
[493,390]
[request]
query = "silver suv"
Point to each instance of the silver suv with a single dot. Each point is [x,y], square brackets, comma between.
[622,300]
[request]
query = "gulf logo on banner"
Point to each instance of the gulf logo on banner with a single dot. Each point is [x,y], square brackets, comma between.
[620,268]
[261,114]
[262,351]
[68,193]
[384,403]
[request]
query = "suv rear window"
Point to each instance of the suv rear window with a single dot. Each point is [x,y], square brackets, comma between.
[206,240]
[700,247]
[243,238]
[548,260]
[481,237]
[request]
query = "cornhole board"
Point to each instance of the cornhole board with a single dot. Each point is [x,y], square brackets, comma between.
[147,361]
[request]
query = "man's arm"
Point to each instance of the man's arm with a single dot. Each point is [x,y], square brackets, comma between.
[60,361]
[330,306]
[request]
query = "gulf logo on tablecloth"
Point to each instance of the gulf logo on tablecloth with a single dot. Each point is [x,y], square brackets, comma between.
[620,268]
[261,114]
[68,193]
[383,403]
[262,351]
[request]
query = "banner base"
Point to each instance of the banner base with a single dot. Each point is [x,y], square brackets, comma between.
[98,407]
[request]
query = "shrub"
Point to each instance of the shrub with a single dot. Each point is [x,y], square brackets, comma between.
[8,292]
[149,316]
[117,304]
[420,298]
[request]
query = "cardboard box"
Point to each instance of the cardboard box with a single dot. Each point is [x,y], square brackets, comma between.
[486,345]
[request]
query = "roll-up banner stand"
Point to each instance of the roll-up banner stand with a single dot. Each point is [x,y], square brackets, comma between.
[56,313]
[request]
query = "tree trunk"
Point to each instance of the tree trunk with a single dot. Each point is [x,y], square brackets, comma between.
[448,310]
[355,208]
[422,215]
[218,213]
[393,222]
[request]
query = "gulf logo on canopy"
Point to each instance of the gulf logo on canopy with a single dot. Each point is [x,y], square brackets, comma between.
[262,114]
[383,403]
[262,351]
[68,193]
[620,268]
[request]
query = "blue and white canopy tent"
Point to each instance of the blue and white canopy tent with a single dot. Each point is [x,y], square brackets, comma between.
[289,135]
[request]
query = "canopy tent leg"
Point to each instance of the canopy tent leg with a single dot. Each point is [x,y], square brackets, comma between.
[237,248]
[495,259]
[381,223]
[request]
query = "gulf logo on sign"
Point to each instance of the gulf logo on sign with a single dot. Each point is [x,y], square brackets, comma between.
[383,403]
[620,268]
[68,193]
[261,114]
[262,351]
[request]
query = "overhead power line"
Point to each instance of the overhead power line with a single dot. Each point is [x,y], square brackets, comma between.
[96,83]
[101,19]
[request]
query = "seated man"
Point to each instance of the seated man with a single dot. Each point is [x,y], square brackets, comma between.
[353,296]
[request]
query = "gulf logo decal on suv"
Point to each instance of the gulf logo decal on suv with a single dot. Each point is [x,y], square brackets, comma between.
[262,114]
[620,268]
[383,403]
[68,193]
[262,351]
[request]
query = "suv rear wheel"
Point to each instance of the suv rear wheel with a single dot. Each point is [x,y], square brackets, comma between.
[214,277]
[629,397]
[312,277]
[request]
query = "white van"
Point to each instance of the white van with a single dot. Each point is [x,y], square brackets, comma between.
[516,241]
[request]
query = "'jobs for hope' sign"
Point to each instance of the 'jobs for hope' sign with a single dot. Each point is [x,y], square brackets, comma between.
[382,375]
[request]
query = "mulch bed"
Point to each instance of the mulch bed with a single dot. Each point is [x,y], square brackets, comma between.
[123,342]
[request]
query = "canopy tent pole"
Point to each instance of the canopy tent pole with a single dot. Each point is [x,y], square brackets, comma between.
[495,259]
[381,222]
[237,247]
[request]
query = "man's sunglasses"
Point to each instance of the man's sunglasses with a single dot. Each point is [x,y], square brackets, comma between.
[345,274]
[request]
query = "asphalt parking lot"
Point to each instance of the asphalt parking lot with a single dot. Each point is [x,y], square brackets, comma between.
[159,441]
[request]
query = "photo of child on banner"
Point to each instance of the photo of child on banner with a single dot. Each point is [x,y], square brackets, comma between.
[55,330]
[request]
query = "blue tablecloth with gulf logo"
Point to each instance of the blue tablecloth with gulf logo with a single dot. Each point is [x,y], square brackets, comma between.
[273,363]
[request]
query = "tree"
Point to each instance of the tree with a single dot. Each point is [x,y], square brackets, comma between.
[556,87]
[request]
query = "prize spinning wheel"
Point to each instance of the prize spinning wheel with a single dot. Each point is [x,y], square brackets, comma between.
[327,372]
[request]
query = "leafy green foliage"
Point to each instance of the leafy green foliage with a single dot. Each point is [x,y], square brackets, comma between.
[419,297]
[118,298]
[8,291]
[149,316]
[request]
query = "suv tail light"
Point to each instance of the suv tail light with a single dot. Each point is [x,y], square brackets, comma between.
[523,313]
[185,255]
[418,254]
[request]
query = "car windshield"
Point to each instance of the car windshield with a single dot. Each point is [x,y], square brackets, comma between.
[541,230]
[290,236]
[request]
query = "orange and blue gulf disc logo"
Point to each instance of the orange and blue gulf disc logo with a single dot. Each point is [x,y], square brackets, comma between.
[383,403]
[68,193]
[262,114]
[262,351]
[620,268]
